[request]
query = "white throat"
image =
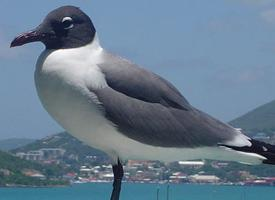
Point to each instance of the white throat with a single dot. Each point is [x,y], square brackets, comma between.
[76,66]
[89,52]
[63,78]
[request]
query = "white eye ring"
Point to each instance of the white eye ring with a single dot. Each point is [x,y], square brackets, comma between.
[69,19]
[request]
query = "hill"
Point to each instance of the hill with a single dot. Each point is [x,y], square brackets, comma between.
[13,143]
[76,153]
[18,172]
[257,120]
[61,140]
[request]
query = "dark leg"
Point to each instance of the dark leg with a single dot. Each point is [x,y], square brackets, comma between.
[118,175]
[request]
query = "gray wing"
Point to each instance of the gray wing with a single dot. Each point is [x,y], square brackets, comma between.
[159,115]
[133,81]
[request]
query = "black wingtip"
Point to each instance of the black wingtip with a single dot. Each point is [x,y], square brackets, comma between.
[261,148]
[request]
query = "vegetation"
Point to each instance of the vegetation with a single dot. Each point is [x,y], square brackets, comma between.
[76,155]
[261,119]
[12,172]
[25,181]
[65,141]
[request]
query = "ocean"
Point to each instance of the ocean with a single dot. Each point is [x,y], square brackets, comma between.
[102,191]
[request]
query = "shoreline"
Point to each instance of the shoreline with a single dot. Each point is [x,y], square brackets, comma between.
[133,182]
[34,186]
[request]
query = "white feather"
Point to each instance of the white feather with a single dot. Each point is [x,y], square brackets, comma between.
[240,140]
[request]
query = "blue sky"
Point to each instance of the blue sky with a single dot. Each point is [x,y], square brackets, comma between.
[219,53]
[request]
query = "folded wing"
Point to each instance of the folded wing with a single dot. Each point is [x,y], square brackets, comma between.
[148,109]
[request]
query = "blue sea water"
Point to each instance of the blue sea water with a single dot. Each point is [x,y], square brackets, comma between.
[101,191]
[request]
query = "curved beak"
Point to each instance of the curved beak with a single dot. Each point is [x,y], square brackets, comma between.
[23,38]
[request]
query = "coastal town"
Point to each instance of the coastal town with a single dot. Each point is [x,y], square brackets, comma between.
[97,168]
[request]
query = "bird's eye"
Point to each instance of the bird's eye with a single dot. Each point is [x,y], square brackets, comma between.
[67,23]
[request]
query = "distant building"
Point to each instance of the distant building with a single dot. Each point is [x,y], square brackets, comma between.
[178,177]
[192,164]
[5,172]
[44,154]
[53,152]
[264,181]
[108,176]
[198,178]
[31,155]
[70,176]
[85,171]
[34,174]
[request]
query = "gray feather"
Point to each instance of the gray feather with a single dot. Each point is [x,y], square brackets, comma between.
[129,79]
[148,109]
[158,125]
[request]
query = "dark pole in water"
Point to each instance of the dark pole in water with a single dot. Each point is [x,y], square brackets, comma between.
[167,191]
[158,193]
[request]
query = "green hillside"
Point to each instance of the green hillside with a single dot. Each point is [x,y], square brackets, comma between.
[259,119]
[61,140]
[12,172]
[76,153]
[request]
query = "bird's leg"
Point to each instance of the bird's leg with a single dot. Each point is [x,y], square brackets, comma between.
[118,175]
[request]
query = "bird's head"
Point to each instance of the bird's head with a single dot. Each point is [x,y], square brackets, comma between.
[63,28]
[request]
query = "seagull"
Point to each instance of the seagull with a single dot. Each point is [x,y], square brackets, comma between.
[122,109]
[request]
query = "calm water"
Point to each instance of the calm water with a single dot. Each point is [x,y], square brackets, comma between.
[96,191]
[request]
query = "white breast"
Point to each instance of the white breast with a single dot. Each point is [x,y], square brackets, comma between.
[62,79]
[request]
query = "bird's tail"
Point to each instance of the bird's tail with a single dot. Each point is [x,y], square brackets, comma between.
[264,149]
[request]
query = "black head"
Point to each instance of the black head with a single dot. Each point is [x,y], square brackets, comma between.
[63,28]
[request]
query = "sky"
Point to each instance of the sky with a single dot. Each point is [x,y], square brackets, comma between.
[220,54]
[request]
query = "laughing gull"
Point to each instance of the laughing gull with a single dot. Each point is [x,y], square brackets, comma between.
[124,110]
